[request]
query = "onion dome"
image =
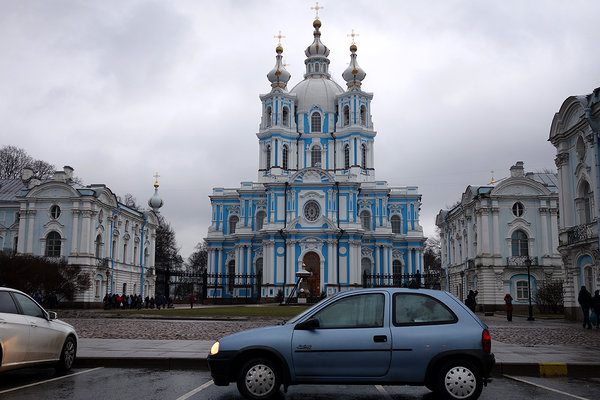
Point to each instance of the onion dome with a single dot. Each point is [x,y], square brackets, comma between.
[354,74]
[279,76]
[317,48]
[155,201]
[317,63]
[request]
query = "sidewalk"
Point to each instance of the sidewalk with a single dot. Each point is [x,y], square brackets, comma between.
[511,359]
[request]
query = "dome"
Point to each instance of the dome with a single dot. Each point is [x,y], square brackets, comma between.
[155,201]
[320,92]
[279,76]
[354,74]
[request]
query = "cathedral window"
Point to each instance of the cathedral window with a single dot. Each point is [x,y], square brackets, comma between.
[365,220]
[312,211]
[315,157]
[260,220]
[55,212]
[285,156]
[346,115]
[285,118]
[268,157]
[53,244]
[232,223]
[315,122]
[268,117]
[363,115]
[124,253]
[363,162]
[346,157]
[520,244]
[98,244]
[396,224]
[584,203]
[518,209]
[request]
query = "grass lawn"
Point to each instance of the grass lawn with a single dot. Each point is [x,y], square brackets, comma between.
[227,311]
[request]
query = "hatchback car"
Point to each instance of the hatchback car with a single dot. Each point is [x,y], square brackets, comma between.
[369,336]
[30,335]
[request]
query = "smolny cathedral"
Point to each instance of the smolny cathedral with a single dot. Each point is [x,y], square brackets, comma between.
[317,206]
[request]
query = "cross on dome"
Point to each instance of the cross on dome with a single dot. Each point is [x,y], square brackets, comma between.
[317,8]
[353,35]
[156,176]
[279,37]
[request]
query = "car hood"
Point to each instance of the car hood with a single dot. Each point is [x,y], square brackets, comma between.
[264,336]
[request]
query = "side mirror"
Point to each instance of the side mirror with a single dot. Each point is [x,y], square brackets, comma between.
[51,315]
[308,325]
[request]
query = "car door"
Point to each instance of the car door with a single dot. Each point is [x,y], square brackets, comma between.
[14,331]
[44,340]
[352,340]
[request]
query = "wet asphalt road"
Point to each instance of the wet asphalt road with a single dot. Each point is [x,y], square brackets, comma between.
[148,384]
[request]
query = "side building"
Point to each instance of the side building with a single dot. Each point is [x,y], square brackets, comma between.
[494,232]
[317,208]
[574,133]
[84,225]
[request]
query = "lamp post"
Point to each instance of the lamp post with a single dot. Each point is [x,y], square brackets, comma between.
[107,277]
[528,264]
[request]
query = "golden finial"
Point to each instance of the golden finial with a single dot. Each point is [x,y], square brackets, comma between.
[279,37]
[317,8]
[492,181]
[156,176]
[353,35]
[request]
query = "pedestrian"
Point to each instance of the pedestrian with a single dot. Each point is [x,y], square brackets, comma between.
[471,302]
[192,300]
[596,307]
[585,301]
[508,306]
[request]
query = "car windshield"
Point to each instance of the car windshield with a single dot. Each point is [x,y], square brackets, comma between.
[303,313]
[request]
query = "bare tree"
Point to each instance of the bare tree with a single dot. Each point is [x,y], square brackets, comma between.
[12,161]
[196,262]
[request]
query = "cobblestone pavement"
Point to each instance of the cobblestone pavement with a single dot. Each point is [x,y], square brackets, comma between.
[519,331]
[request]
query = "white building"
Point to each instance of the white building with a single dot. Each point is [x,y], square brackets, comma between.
[317,204]
[489,235]
[86,226]
[574,133]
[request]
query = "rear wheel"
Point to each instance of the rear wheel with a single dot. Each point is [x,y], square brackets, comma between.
[259,379]
[67,354]
[459,380]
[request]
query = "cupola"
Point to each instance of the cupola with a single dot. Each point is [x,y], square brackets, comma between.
[354,74]
[279,76]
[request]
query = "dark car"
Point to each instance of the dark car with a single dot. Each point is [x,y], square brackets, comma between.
[371,336]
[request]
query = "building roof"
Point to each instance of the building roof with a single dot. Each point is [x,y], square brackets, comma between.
[10,189]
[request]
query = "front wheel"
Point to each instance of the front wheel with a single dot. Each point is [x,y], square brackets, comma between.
[259,379]
[459,380]
[67,355]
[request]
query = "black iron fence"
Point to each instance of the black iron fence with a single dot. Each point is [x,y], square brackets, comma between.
[418,280]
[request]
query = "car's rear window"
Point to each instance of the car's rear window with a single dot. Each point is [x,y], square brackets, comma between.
[7,304]
[420,309]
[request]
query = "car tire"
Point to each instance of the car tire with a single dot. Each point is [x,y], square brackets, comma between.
[459,380]
[259,379]
[67,354]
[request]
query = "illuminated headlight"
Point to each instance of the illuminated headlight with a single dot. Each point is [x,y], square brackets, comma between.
[214,349]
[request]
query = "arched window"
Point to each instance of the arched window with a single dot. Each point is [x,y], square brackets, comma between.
[285,117]
[365,270]
[365,220]
[346,157]
[268,117]
[146,256]
[315,122]
[260,220]
[346,115]
[231,275]
[268,157]
[315,157]
[396,224]
[363,161]
[232,223]
[363,115]
[259,266]
[98,244]
[584,203]
[125,253]
[520,244]
[285,156]
[397,272]
[53,244]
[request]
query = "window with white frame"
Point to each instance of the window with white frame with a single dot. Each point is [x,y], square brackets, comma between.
[53,244]
[315,122]
[285,118]
[233,220]
[346,115]
[268,158]
[520,244]
[396,224]
[285,156]
[55,211]
[260,220]
[522,290]
[268,117]
[346,156]
[518,209]
[363,115]
[365,220]
[363,162]
[315,156]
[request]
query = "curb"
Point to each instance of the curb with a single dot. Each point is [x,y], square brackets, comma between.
[573,370]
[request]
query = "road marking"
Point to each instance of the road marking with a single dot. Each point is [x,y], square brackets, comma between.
[50,380]
[545,387]
[382,390]
[193,392]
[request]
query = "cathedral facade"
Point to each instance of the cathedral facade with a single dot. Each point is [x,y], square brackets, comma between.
[316,208]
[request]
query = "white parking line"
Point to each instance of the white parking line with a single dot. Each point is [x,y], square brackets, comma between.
[193,392]
[382,390]
[50,380]
[545,387]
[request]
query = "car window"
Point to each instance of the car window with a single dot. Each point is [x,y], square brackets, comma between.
[418,309]
[29,306]
[360,311]
[7,304]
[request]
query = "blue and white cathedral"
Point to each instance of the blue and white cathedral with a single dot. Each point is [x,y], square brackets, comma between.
[317,205]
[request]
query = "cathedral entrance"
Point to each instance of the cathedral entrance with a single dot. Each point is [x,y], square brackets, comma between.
[312,263]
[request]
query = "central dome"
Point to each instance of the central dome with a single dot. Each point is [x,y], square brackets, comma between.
[319,92]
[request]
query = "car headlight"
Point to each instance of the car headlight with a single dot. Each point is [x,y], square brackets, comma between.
[214,349]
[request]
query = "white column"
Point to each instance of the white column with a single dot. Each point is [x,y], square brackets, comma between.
[22,224]
[75,235]
[409,261]
[496,229]
[377,257]
[544,223]
[554,227]
[486,231]
[31,218]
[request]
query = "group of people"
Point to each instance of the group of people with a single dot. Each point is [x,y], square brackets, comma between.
[590,305]
[134,302]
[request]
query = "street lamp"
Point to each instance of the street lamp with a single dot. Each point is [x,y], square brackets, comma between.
[528,264]
[107,277]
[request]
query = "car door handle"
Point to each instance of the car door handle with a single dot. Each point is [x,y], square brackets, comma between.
[380,338]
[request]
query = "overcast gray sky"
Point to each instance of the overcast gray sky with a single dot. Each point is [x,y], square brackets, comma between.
[120,89]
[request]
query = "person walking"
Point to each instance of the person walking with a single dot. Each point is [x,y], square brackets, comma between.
[471,302]
[192,300]
[596,307]
[508,306]
[585,301]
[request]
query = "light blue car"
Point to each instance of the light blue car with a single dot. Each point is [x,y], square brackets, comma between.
[369,336]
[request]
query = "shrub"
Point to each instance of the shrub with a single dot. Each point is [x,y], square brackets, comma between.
[549,297]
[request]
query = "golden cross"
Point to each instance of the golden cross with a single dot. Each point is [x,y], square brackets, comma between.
[353,35]
[279,36]
[285,64]
[156,176]
[317,8]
